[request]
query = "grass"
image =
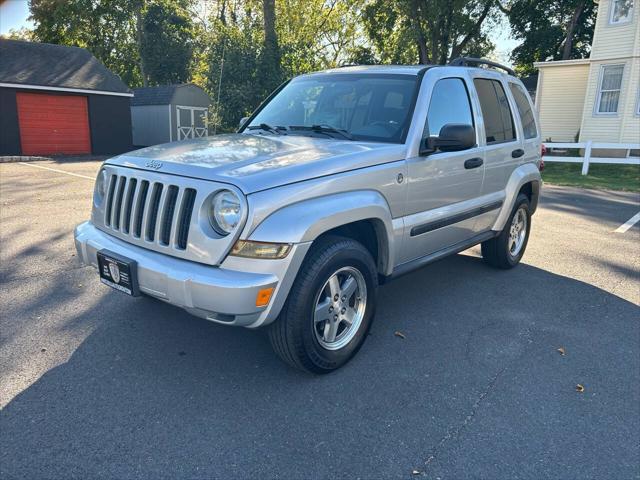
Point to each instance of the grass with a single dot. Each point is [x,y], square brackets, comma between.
[609,177]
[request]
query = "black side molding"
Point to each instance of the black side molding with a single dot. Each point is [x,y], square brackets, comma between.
[445,222]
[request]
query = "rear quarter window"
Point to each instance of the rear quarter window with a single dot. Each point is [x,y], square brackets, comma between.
[498,121]
[525,111]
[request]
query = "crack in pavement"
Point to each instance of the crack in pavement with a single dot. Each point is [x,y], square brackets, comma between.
[455,432]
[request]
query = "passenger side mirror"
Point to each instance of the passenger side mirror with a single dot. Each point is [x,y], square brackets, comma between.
[243,120]
[453,137]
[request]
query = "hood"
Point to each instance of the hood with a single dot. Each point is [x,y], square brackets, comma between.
[255,162]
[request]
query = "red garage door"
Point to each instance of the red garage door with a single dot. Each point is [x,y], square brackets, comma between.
[51,124]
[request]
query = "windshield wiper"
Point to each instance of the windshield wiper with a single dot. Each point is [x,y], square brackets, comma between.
[268,128]
[326,129]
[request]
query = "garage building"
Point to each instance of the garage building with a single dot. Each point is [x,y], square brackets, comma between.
[56,99]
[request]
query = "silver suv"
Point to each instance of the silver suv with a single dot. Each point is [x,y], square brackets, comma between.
[340,181]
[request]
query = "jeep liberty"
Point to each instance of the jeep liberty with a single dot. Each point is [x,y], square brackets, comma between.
[340,181]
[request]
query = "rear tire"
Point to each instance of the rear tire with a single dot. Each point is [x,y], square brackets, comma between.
[330,307]
[506,250]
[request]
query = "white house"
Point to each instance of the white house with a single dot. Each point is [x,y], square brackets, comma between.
[598,98]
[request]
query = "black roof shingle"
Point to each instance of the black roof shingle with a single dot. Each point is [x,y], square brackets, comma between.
[160,95]
[45,64]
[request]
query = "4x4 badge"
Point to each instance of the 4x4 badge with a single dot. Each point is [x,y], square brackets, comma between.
[153,164]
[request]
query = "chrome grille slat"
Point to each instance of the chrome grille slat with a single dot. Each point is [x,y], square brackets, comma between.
[141,202]
[175,223]
[156,199]
[168,211]
[117,203]
[112,187]
[184,218]
[125,219]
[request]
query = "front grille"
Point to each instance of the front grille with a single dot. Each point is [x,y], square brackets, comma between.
[141,208]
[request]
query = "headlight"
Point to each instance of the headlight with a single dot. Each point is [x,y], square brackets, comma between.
[102,182]
[225,212]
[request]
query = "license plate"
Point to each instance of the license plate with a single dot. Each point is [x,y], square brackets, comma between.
[118,272]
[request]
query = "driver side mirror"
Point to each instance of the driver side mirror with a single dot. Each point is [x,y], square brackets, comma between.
[243,120]
[453,137]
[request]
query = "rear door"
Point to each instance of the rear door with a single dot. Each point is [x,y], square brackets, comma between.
[529,129]
[504,150]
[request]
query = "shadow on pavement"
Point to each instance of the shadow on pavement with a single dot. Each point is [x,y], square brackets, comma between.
[609,206]
[476,388]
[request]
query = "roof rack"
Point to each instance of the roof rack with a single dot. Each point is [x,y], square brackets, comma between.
[470,61]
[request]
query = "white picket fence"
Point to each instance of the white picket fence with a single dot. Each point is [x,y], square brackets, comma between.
[587,159]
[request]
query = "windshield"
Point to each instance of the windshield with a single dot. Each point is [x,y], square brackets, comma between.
[352,106]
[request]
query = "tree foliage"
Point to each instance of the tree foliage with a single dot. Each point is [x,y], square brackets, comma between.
[125,35]
[550,30]
[240,50]
[167,42]
[428,31]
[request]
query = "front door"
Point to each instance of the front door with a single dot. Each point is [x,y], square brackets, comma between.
[443,186]
[191,122]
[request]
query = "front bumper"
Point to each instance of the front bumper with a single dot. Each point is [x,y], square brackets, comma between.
[224,295]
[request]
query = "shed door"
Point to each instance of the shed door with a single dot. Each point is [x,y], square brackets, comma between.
[192,122]
[51,124]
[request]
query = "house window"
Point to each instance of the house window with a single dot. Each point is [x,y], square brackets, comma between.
[609,89]
[621,11]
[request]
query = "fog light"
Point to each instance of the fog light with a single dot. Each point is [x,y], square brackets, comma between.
[249,249]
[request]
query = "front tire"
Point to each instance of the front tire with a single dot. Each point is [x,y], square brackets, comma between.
[506,250]
[330,307]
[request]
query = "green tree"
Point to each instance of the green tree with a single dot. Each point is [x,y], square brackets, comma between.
[19,34]
[428,31]
[550,30]
[143,41]
[167,42]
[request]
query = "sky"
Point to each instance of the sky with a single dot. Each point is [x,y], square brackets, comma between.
[14,15]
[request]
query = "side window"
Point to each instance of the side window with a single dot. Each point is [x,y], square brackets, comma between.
[498,122]
[449,104]
[524,109]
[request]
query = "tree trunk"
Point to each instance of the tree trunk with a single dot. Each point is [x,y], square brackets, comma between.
[270,35]
[414,20]
[271,53]
[568,41]
[139,35]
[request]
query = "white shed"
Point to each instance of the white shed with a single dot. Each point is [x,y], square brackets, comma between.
[168,113]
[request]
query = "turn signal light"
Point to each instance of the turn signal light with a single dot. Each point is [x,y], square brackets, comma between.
[263,297]
[249,249]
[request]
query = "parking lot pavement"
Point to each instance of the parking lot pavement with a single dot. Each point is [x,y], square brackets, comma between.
[95,384]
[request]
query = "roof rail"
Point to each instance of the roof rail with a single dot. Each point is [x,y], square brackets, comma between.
[470,61]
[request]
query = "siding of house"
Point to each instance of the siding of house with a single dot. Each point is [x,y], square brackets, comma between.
[560,99]
[614,40]
[614,44]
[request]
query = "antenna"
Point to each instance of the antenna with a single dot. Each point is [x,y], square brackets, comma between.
[215,125]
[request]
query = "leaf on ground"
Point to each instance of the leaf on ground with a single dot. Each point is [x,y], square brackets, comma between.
[579,388]
[561,351]
[399,334]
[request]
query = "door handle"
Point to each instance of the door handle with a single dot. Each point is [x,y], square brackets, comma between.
[517,153]
[473,163]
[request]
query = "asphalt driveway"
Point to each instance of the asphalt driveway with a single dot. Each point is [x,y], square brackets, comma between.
[94,384]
